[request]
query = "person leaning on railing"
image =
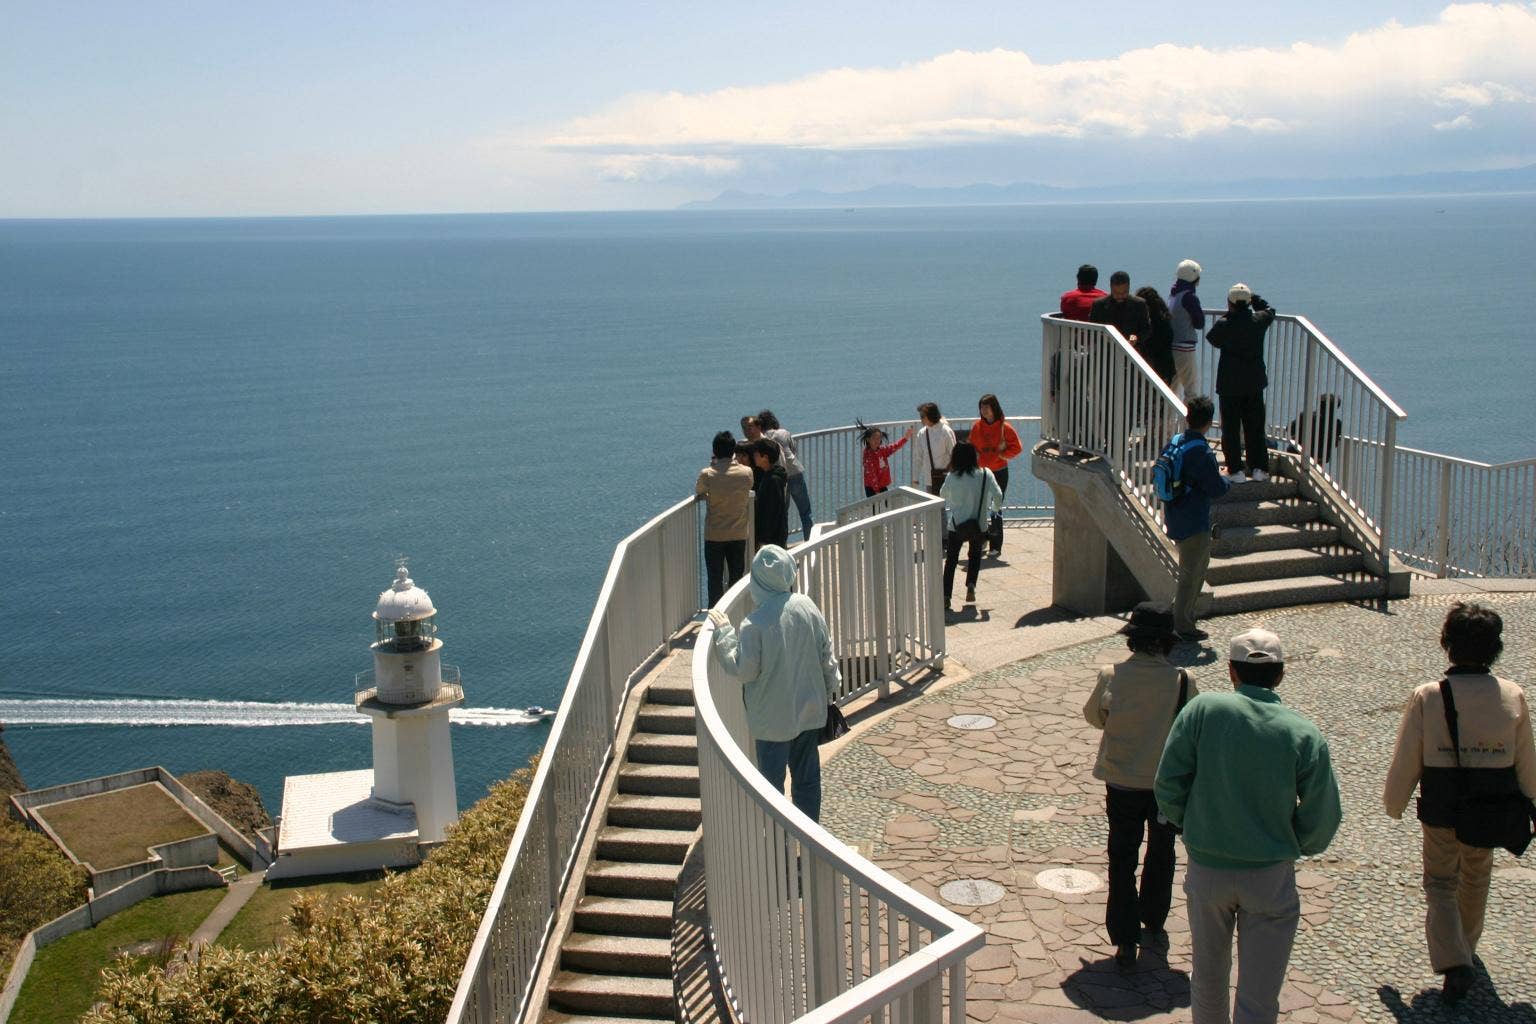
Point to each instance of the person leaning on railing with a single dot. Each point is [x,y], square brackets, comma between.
[783,658]
[1492,759]
[725,486]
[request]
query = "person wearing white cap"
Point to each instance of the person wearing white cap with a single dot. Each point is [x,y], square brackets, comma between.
[1188,319]
[1241,378]
[1251,784]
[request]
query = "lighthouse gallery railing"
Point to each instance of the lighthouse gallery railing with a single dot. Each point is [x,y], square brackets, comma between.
[651,590]
[804,929]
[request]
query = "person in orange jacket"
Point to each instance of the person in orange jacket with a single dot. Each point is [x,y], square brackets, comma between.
[996,443]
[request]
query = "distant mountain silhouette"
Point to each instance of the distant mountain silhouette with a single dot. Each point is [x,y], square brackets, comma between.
[1518,179]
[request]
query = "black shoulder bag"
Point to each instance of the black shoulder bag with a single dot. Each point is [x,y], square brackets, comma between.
[836,725]
[971,529]
[1486,820]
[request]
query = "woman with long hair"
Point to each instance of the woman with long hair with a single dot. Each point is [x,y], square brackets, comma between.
[996,443]
[1157,347]
[971,493]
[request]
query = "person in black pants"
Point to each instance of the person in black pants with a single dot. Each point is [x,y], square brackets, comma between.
[771,513]
[970,496]
[725,486]
[1241,378]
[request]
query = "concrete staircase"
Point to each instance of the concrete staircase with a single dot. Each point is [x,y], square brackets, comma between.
[616,963]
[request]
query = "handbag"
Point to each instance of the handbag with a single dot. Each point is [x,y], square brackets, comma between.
[1486,820]
[836,725]
[971,529]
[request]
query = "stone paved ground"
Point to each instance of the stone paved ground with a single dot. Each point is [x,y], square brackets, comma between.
[934,804]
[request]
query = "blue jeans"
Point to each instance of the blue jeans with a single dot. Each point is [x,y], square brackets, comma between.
[802,760]
[802,500]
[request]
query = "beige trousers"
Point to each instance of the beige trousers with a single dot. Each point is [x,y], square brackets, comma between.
[1456,890]
[1194,559]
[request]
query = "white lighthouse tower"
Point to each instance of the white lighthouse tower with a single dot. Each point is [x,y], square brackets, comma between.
[408,700]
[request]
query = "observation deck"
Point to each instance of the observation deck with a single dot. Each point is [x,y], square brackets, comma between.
[958,870]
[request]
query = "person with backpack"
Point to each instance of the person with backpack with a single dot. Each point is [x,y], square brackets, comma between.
[1241,378]
[1468,735]
[1186,478]
[970,495]
[1135,703]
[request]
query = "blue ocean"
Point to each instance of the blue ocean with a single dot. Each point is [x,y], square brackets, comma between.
[218,435]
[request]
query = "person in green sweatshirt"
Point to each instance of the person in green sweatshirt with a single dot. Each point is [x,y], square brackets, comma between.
[1251,784]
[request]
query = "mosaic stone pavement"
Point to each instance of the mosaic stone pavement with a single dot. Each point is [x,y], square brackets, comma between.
[934,804]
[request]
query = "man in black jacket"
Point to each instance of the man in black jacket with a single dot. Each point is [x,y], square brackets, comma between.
[1240,382]
[1127,313]
[771,511]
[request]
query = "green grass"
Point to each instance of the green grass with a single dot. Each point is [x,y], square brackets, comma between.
[112,829]
[262,922]
[66,976]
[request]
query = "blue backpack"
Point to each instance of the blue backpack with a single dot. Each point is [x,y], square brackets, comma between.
[1168,470]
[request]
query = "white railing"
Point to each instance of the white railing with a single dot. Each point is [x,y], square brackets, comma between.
[651,589]
[834,467]
[1099,397]
[1457,517]
[803,928]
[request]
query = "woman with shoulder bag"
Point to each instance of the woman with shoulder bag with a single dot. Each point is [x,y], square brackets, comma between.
[1465,743]
[970,495]
[935,445]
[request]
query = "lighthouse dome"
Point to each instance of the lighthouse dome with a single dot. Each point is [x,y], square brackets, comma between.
[404,601]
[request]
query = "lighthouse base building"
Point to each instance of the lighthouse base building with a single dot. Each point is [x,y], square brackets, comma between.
[384,816]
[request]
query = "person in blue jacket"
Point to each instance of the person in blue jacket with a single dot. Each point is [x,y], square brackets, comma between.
[783,657]
[1188,517]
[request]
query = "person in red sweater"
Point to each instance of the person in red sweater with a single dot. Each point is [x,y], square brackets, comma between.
[996,443]
[1077,304]
[877,459]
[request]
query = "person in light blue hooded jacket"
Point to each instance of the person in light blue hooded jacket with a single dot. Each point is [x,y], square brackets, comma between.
[783,657]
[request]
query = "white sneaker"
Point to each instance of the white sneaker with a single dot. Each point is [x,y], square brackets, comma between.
[1236,478]
[1259,476]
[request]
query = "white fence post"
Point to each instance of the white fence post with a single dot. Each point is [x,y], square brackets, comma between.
[1443,523]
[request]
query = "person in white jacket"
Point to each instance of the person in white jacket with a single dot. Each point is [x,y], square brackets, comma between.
[932,450]
[783,657]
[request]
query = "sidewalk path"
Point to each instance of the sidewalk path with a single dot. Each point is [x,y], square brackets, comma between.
[240,892]
[936,804]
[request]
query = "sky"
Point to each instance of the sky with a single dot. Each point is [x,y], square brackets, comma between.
[160,108]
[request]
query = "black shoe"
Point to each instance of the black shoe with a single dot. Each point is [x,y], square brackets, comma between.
[1458,982]
[1125,956]
[1194,636]
[1155,937]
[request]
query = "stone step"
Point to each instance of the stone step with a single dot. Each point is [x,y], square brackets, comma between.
[657,748]
[556,1017]
[1283,564]
[650,845]
[617,954]
[1237,540]
[676,719]
[1263,513]
[667,691]
[660,779]
[578,992]
[618,915]
[670,812]
[1272,489]
[634,879]
[1231,598]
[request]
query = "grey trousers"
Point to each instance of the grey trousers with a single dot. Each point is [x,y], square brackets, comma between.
[1186,374]
[1194,559]
[1263,906]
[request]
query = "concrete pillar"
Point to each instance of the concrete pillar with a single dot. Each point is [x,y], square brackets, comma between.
[1087,576]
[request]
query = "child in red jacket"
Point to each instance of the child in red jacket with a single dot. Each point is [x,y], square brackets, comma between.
[877,459]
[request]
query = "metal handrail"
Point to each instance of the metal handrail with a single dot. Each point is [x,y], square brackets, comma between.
[803,928]
[651,589]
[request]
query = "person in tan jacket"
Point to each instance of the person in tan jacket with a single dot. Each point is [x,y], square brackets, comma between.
[1494,729]
[1135,703]
[726,486]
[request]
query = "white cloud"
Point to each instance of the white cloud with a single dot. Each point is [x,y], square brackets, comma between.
[665,166]
[1456,123]
[1473,55]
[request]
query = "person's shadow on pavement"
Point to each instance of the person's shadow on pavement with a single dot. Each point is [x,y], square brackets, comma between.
[1149,988]
[1483,1004]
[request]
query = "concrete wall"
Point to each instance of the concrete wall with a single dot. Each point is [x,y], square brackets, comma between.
[250,852]
[86,787]
[186,853]
[157,883]
[340,860]
[106,881]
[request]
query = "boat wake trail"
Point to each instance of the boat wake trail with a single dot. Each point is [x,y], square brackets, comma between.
[238,713]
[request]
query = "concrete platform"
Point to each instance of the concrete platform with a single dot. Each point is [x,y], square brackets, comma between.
[936,804]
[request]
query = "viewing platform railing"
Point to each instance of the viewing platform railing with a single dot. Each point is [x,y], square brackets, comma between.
[803,928]
[651,590]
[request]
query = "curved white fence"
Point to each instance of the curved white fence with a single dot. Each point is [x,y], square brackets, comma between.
[1458,517]
[804,928]
[651,589]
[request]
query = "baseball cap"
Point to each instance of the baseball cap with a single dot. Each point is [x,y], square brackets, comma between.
[1239,293]
[1256,646]
[1188,270]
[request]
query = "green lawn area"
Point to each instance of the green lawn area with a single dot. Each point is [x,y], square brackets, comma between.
[111,829]
[261,923]
[66,976]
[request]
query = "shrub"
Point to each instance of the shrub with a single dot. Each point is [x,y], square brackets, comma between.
[37,882]
[395,957]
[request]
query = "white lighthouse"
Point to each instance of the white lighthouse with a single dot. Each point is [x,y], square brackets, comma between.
[408,700]
[338,822]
